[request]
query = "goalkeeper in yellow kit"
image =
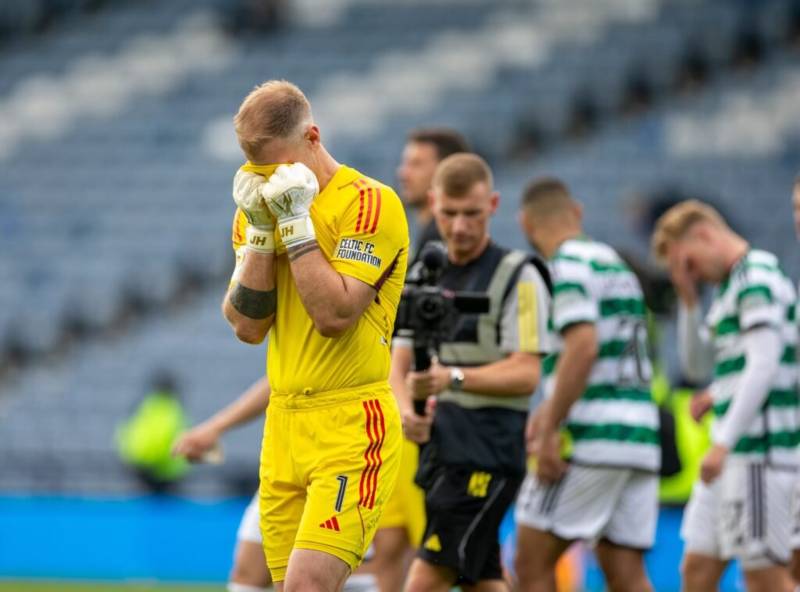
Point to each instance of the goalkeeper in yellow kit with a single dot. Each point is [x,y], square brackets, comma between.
[320,269]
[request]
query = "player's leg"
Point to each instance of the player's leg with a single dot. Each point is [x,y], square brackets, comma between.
[281,498]
[630,530]
[769,533]
[350,460]
[550,516]
[536,558]
[390,562]
[623,568]
[249,573]
[703,562]
[768,579]
[426,577]
[701,573]
[315,571]
[794,564]
[487,586]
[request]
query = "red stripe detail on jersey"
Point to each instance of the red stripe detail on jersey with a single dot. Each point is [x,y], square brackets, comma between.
[377,210]
[329,524]
[377,470]
[335,523]
[360,205]
[372,441]
[369,209]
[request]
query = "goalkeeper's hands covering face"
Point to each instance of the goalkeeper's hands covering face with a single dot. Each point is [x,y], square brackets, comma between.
[288,194]
[261,223]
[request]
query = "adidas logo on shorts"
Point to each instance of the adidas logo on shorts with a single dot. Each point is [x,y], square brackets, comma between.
[331,524]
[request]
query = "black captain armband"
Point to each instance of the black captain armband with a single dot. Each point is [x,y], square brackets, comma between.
[254,304]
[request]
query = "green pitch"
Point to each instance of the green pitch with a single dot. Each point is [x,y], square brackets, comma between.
[30,586]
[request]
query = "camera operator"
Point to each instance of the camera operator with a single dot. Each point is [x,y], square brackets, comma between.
[474,459]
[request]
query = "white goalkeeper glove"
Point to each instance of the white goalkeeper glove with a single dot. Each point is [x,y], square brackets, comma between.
[247,195]
[289,193]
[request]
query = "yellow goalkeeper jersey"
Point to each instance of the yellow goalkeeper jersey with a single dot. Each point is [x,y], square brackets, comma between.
[361,229]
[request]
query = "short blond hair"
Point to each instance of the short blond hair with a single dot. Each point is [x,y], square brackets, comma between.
[460,172]
[673,224]
[272,110]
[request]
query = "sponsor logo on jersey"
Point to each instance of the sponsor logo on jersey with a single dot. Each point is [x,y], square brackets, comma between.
[354,249]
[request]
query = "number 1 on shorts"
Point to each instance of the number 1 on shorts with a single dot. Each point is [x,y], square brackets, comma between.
[340,497]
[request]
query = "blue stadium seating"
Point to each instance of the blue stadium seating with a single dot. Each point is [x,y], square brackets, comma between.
[127,202]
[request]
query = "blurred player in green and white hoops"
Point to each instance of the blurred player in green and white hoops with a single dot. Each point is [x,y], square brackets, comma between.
[741,507]
[795,563]
[597,396]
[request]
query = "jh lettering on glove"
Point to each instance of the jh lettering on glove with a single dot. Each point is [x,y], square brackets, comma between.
[247,196]
[289,193]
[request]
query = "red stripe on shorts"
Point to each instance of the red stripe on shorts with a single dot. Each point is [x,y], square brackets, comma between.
[367,456]
[375,473]
[372,453]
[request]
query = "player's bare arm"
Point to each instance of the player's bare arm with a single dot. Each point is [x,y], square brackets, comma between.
[250,303]
[574,365]
[572,373]
[333,301]
[251,404]
[249,306]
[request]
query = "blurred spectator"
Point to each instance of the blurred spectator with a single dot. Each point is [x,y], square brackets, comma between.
[793,29]
[20,16]
[256,16]
[528,139]
[34,16]
[583,117]
[637,95]
[146,438]
[748,50]
[692,72]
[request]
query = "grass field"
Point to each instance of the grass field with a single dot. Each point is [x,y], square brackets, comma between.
[34,586]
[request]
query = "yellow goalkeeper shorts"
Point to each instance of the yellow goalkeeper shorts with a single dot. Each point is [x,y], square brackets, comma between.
[329,462]
[406,507]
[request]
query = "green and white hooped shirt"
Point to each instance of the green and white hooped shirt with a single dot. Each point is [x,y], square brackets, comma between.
[755,294]
[615,422]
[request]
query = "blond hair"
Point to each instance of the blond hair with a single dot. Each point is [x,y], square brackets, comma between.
[273,110]
[678,220]
[460,172]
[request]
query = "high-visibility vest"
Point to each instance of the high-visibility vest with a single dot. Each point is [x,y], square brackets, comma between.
[692,440]
[145,439]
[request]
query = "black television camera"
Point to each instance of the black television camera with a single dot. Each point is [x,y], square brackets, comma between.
[428,314]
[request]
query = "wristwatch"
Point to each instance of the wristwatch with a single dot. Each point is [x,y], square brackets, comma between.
[456,378]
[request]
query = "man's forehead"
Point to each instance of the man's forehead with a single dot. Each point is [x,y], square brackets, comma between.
[478,196]
[421,150]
